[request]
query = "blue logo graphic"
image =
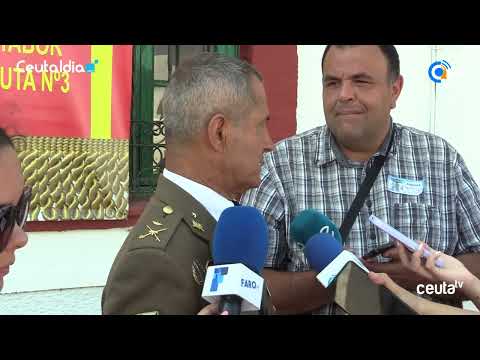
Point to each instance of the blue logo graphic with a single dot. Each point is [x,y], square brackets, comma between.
[438,71]
[90,68]
[218,277]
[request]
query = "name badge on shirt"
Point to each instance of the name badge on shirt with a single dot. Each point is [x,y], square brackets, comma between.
[404,186]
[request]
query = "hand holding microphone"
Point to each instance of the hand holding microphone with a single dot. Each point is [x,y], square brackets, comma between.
[403,268]
[412,245]
[451,271]
[354,292]
[212,309]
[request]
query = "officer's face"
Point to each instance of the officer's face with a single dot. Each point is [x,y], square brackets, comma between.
[358,94]
[250,140]
[10,193]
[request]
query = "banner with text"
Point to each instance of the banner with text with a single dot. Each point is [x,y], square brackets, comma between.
[68,110]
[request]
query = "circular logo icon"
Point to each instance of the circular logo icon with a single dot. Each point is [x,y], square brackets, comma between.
[438,71]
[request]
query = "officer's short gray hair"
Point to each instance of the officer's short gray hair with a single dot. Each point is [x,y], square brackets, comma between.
[203,85]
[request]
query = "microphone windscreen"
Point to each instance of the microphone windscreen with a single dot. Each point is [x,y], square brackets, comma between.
[321,250]
[310,222]
[241,236]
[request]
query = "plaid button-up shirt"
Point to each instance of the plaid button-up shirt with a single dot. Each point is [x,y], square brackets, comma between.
[308,171]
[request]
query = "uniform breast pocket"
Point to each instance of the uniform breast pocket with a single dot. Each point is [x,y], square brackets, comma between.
[419,222]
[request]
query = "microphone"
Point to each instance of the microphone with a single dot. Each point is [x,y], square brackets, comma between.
[327,257]
[354,292]
[310,222]
[239,245]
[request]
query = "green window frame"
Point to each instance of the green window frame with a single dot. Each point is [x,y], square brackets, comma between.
[144,170]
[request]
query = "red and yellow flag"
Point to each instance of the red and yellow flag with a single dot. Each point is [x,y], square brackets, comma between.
[70,106]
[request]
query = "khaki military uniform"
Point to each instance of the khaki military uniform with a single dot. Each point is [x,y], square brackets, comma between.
[161,265]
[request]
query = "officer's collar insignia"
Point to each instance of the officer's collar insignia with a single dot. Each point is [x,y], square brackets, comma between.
[151,232]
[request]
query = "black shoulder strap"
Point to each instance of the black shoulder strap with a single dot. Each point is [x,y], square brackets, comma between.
[372,173]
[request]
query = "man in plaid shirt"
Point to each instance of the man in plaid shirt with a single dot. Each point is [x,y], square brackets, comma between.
[424,188]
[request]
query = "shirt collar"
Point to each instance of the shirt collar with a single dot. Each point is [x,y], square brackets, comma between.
[325,152]
[328,149]
[211,200]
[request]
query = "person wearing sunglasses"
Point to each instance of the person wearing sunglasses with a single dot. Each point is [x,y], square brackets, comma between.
[14,201]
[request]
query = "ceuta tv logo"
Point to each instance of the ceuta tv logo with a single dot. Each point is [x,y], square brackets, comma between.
[438,71]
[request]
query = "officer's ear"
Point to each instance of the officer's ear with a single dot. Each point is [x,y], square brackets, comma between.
[217,130]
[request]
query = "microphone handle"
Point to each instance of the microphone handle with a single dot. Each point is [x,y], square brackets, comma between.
[231,303]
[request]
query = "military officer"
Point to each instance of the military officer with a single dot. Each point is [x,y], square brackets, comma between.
[215,112]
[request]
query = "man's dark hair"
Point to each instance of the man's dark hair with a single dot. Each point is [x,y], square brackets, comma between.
[391,54]
[5,139]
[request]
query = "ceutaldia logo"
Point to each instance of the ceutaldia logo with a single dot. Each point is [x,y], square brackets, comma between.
[60,67]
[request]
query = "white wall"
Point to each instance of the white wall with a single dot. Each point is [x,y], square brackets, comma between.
[309,87]
[79,301]
[61,270]
[457,117]
[415,104]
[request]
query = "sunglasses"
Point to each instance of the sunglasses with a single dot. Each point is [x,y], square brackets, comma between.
[10,214]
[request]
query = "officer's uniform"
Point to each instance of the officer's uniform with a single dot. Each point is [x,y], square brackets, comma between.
[161,266]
